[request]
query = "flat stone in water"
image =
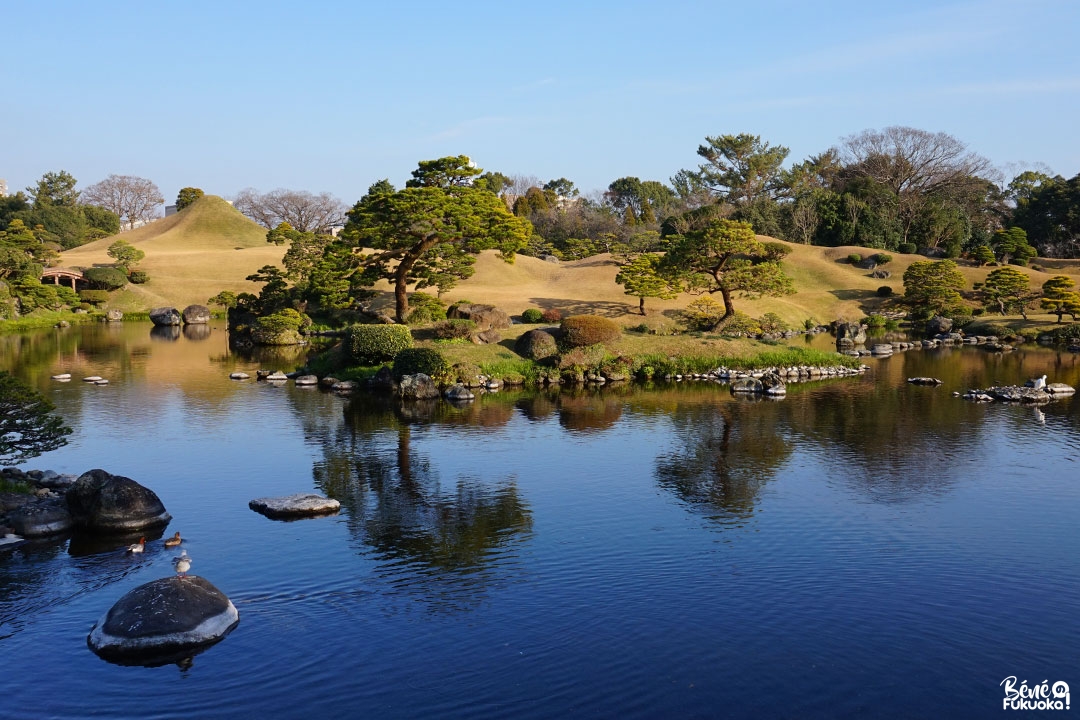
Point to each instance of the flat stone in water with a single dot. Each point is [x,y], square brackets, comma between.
[239,376]
[305,380]
[62,376]
[92,378]
[295,506]
[162,616]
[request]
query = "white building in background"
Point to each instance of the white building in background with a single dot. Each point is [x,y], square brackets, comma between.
[3,187]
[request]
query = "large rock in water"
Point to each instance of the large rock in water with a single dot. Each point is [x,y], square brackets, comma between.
[295,506]
[38,519]
[417,387]
[938,325]
[100,502]
[196,315]
[164,316]
[850,334]
[169,615]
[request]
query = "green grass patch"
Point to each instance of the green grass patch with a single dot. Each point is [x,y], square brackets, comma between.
[14,486]
[47,320]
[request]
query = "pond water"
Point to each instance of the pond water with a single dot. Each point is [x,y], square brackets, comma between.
[863,547]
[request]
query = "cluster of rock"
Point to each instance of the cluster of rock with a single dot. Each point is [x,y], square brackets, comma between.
[191,315]
[276,377]
[488,319]
[95,502]
[851,339]
[1021,394]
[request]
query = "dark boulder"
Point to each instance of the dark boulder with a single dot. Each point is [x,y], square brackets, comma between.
[850,334]
[773,384]
[163,616]
[196,315]
[41,518]
[938,325]
[536,345]
[100,502]
[417,387]
[746,385]
[165,316]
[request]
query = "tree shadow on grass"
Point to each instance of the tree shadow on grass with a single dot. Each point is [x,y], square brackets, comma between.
[583,307]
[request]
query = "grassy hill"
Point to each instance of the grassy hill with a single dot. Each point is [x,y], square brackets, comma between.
[211,246]
[208,247]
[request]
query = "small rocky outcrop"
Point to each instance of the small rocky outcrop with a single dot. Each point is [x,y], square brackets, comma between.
[165,316]
[295,506]
[114,315]
[41,518]
[238,376]
[306,381]
[773,384]
[938,325]
[923,381]
[536,345]
[164,616]
[196,315]
[264,335]
[748,384]
[417,387]
[458,393]
[849,335]
[100,502]
[881,350]
[486,317]
[1011,394]
[487,337]
[1060,389]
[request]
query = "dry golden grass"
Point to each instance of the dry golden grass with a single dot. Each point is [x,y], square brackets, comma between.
[190,256]
[210,247]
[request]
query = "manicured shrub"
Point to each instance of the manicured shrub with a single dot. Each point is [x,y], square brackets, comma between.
[551,315]
[456,329]
[703,313]
[374,344]
[772,323]
[584,330]
[138,277]
[94,297]
[883,258]
[875,321]
[536,345]
[532,316]
[741,325]
[908,248]
[105,278]
[428,361]
[854,258]
[582,358]
[884,291]
[425,308]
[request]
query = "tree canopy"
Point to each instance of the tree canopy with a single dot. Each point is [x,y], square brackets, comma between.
[132,199]
[640,278]
[931,287]
[727,258]
[187,196]
[428,235]
[1006,290]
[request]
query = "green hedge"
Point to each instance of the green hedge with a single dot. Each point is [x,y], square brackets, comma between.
[532,316]
[411,361]
[94,297]
[138,277]
[105,278]
[374,344]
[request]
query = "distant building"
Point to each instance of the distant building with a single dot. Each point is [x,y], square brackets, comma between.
[170,210]
[3,187]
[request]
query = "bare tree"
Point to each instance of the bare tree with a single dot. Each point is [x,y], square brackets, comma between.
[915,164]
[303,210]
[134,199]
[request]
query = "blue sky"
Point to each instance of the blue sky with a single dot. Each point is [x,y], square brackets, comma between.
[331,96]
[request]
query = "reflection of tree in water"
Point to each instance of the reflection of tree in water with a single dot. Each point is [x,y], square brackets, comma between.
[590,409]
[397,503]
[726,454]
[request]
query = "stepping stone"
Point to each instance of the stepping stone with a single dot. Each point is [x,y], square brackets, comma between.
[295,506]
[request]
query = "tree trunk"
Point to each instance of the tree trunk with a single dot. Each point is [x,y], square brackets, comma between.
[729,309]
[401,277]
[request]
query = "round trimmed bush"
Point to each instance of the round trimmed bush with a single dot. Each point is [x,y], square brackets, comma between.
[94,297]
[374,344]
[884,291]
[105,278]
[585,330]
[428,361]
[883,258]
[854,258]
[138,277]
[551,315]
[532,316]
[908,248]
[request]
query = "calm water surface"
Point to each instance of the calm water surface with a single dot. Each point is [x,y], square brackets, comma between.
[863,547]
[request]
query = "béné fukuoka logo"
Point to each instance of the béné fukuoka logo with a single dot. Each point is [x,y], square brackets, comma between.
[1040,696]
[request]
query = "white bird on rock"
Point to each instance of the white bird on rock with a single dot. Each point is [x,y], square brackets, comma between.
[1038,383]
[182,564]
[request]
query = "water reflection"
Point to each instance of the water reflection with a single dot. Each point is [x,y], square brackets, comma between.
[196,332]
[458,535]
[726,455]
[166,333]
